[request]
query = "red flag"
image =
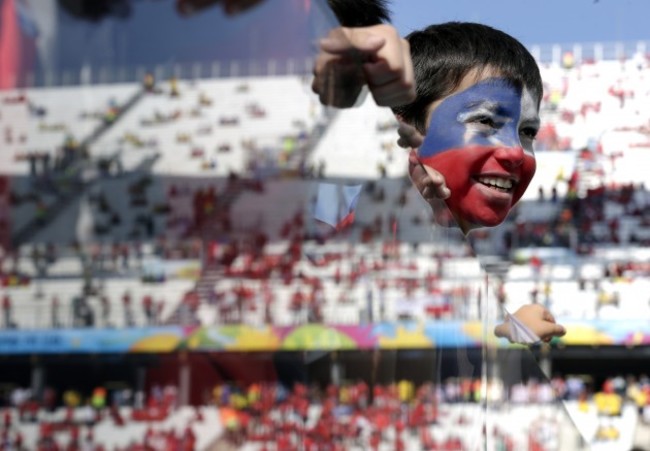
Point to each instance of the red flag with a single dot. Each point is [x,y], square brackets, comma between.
[9,45]
[18,33]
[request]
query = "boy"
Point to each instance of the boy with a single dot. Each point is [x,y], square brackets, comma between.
[474,120]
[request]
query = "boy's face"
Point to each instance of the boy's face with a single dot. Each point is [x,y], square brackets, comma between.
[480,138]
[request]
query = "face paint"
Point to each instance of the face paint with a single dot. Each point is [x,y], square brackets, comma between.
[475,141]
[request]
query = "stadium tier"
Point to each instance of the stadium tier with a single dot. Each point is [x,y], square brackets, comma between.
[403,415]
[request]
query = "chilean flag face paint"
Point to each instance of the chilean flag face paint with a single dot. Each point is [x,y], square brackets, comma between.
[480,139]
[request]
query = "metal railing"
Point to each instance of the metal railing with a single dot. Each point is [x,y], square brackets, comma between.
[544,54]
[182,71]
[589,51]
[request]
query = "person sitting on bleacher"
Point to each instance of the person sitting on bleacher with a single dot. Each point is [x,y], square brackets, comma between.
[7,323]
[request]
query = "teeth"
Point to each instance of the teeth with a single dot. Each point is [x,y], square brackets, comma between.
[497,182]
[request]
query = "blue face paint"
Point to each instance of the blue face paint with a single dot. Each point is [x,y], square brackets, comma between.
[456,122]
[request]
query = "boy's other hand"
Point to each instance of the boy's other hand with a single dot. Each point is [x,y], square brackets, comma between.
[409,136]
[536,319]
[429,182]
[374,56]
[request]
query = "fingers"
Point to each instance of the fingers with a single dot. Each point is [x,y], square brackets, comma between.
[395,93]
[436,179]
[429,182]
[378,53]
[390,75]
[551,328]
[502,330]
[351,41]
[338,73]
[548,330]
[409,136]
[548,316]
[337,82]
[547,327]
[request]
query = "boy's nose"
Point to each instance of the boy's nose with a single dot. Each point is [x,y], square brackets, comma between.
[510,157]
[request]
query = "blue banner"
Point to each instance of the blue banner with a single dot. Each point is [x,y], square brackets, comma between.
[57,341]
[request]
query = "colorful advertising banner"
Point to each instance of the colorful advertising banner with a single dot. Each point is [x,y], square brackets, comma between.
[310,337]
[57,341]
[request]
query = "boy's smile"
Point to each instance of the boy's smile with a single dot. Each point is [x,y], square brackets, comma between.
[480,139]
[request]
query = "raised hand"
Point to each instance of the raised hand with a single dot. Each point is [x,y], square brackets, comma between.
[429,182]
[536,319]
[351,58]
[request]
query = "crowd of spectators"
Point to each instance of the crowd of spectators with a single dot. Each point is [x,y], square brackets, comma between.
[68,421]
[305,416]
[354,414]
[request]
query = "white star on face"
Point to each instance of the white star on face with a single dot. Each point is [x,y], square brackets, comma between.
[485,121]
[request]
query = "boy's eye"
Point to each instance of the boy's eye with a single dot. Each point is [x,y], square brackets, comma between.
[529,132]
[485,120]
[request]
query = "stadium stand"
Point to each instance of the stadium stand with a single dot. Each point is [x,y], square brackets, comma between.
[589,185]
[155,205]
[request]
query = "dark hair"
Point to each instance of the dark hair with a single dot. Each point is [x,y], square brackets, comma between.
[444,54]
[360,13]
